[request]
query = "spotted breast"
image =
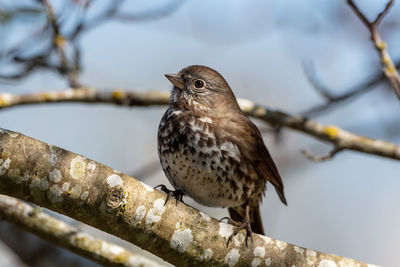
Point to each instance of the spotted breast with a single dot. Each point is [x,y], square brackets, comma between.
[204,167]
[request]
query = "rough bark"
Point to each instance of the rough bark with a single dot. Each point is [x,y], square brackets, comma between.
[34,220]
[120,205]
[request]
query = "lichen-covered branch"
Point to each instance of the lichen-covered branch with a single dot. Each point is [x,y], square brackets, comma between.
[120,205]
[341,139]
[388,66]
[37,222]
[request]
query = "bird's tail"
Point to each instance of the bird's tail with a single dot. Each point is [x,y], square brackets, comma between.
[237,214]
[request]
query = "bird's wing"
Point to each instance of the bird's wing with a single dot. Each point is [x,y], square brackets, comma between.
[253,149]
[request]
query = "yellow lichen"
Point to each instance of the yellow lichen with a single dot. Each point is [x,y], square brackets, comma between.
[78,168]
[47,96]
[59,40]
[381,45]
[3,102]
[391,69]
[117,94]
[331,131]
[385,60]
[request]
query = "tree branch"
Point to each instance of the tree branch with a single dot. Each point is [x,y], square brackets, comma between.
[47,227]
[118,204]
[331,134]
[389,68]
[334,99]
[326,157]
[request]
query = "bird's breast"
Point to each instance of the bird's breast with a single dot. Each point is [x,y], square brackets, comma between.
[198,161]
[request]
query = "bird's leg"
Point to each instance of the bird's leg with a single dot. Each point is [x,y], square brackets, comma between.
[178,194]
[244,224]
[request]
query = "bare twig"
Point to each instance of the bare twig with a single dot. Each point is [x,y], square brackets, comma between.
[116,203]
[326,157]
[389,68]
[47,227]
[55,37]
[59,42]
[276,118]
[331,99]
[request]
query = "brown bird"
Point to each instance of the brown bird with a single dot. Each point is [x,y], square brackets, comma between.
[211,151]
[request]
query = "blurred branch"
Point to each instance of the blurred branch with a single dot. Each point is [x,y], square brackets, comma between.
[59,38]
[389,68]
[47,227]
[331,99]
[59,42]
[331,134]
[120,205]
[328,156]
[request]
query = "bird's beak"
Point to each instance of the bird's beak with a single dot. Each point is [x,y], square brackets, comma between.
[176,80]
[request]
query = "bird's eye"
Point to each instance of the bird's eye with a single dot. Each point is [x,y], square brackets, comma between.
[199,84]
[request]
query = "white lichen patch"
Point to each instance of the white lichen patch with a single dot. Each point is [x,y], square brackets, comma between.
[206,217]
[147,187]
[4,165]
[346,262]
[112,249]
[77,168]
[139,214]
[266,239]
[255,262]
[281,245]
[259,252]
[84,195]
[13,134]
[239,239]
[114,180]
[42,184]
[54,152]
[298,250]
[55,194]
[91,166]
[139,261]
[232,257]
[311,256]
[181,238]
[207,254]
[65,186]
[23,178]
[268,261]
[225,230]
[154,214]
[76,191]
[327,263]
[55,175]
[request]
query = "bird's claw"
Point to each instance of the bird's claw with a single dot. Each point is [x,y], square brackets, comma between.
[245,224]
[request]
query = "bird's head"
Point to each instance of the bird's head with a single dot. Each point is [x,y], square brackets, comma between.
[201,85]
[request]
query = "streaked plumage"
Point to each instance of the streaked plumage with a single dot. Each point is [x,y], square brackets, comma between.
[210,150]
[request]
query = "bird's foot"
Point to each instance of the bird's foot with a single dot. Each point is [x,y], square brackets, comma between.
[178,194]
[245,224]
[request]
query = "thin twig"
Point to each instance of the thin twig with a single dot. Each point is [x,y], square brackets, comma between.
[59,41]
[388,66]
[331,99]
[326,157]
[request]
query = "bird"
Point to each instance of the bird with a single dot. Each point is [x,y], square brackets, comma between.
[212,152]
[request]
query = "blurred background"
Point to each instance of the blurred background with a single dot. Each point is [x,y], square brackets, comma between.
[347,206]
